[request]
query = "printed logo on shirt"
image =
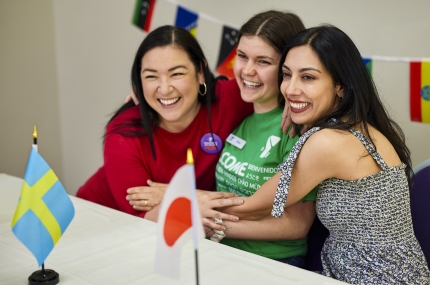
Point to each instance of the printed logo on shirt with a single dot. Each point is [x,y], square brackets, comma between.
[271,141]
[211,143]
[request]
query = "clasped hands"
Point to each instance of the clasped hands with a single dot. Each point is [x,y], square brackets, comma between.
[145,198]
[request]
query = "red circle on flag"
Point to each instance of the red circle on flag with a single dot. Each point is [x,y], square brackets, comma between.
[178,220]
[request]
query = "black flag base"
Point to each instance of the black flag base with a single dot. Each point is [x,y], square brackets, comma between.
[44,277]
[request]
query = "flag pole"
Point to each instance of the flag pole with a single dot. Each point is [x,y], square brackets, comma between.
[48,276]
[35,139]
[190,160]
[197,266]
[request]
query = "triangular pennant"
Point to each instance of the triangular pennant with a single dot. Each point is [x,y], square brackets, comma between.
[143,14]
[187,19]
[227,52]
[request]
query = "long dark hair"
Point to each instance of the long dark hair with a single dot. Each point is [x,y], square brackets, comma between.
[161,37]
[276,28]
[360,104]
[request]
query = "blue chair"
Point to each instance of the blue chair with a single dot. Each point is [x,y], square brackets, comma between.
[420,206]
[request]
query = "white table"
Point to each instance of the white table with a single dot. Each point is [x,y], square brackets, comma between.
[104,246]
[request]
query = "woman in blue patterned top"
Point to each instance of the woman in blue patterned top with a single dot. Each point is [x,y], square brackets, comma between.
[355,154]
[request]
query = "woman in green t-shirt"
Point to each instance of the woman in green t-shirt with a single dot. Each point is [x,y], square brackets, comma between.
[254,150]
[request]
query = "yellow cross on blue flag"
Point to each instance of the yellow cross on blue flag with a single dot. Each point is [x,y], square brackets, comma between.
[44,209]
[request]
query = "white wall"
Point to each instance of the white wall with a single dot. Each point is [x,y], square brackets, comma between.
[95,44]
[28,85]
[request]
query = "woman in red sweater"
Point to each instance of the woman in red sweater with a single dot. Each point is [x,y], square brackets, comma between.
[181,105]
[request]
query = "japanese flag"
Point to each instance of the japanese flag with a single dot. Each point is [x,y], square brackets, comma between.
[179,219]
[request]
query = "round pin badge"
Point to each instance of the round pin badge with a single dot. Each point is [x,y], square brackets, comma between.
[211,143]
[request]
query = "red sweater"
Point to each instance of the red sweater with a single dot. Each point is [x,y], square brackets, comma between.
[128,161]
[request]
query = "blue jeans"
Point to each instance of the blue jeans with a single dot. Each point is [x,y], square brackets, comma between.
[297,261]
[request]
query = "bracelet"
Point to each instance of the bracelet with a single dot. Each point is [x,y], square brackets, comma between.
[218,235]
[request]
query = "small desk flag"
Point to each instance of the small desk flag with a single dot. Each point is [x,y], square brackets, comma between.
[44,209]
[179,219]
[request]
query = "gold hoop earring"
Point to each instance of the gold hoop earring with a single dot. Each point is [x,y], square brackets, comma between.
[206,89]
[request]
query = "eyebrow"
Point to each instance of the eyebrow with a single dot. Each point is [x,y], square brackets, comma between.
[259,57]
[170,69]
[303,69]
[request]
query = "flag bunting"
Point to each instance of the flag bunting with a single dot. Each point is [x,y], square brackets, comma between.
[419,91]
[368,63]
[143,14]
[227,52]
[187,18]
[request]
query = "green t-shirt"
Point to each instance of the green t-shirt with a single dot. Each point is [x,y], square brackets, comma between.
[250,157]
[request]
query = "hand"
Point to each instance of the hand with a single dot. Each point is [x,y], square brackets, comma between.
[210,201]
[286,123]
[133,97]
[208,231]
[144,198]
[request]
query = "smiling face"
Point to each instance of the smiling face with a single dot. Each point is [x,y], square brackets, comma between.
[255,69]
[170,85]
[308,87]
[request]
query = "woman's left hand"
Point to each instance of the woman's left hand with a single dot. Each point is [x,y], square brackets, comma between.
[145,198]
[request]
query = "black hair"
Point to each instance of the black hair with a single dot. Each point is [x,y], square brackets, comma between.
[276,28]
[360,104]
[164,36]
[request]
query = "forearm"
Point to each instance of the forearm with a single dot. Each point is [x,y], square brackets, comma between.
[259,205]
[294,224]
[152,215]
[266,229]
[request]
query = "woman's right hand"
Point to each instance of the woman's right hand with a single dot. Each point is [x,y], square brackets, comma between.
[209,202]
[286,121]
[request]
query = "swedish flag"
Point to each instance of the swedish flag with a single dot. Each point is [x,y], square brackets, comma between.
[44,209]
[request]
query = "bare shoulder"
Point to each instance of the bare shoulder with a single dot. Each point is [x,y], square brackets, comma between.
[384,147]
[327,141]
[321,153]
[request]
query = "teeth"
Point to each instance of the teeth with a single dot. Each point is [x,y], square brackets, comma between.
[298,105]
[168,102]
[251,84]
